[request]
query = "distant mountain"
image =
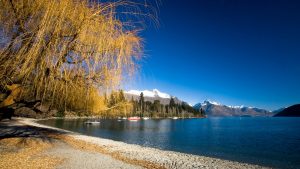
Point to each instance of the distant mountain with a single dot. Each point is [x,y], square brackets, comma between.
[149,95]
[292,111]
[278,110]
[214,109]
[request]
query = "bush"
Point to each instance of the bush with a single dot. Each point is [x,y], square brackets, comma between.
[60,114]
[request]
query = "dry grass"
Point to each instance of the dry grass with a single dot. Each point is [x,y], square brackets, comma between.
[26,153]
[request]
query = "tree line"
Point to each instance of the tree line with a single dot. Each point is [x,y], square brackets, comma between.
[120,106]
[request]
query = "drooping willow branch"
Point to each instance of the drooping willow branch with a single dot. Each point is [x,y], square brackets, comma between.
[61,47]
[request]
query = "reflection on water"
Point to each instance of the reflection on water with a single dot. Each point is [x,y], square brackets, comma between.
[266,141]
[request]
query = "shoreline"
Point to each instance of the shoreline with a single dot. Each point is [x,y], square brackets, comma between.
[163,158]
[98,117]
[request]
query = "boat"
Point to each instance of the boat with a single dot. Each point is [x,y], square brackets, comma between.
[135,118]
[92,122]
[175,118]
[146,118]
[124,118]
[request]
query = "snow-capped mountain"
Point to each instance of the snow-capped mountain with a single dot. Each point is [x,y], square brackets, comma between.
[211,108]
[214,109]
[150,95]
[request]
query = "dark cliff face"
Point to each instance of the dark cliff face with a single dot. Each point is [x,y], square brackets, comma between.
[217,110]
[292,111]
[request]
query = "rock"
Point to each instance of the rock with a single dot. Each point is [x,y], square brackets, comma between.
[32,103]
[44,107]
[36,104]
[17,105]
[52,113]
[25,112]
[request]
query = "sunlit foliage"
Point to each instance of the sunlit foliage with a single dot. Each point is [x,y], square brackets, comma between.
[63,51]
[118,106]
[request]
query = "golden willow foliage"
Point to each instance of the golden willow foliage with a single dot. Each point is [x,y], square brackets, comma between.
[117,104]
[63,51]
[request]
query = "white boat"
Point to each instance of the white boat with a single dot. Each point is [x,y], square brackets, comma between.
[124,118]
[146,118]
[175,118]
[92,122]
[135,118]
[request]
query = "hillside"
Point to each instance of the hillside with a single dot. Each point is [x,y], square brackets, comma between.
[292,111]
[213,109]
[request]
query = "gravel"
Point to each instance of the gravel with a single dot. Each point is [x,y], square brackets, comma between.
[78,159]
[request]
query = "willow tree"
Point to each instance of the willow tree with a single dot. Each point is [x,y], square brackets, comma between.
[63,51]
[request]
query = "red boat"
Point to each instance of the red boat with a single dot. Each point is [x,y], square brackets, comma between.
[134,118]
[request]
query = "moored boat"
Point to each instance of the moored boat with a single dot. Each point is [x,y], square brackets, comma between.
[135,118]
[92,122]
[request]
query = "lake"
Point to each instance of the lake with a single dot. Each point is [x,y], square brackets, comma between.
[270,141]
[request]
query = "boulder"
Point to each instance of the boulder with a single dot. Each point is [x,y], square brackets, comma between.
[52,113]
[44,108]
[25,112]
[17,105]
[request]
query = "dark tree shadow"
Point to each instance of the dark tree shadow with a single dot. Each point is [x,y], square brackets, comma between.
[14,129]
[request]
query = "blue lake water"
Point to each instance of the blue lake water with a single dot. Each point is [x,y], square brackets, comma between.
[271,141]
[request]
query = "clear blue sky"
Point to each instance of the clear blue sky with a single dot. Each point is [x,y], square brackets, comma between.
[237,52]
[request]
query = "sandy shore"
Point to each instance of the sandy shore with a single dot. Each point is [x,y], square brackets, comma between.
[80,151]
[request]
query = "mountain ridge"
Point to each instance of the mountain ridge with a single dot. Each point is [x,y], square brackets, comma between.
[211,108]
[148,93]
[214,109]
[292,111]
